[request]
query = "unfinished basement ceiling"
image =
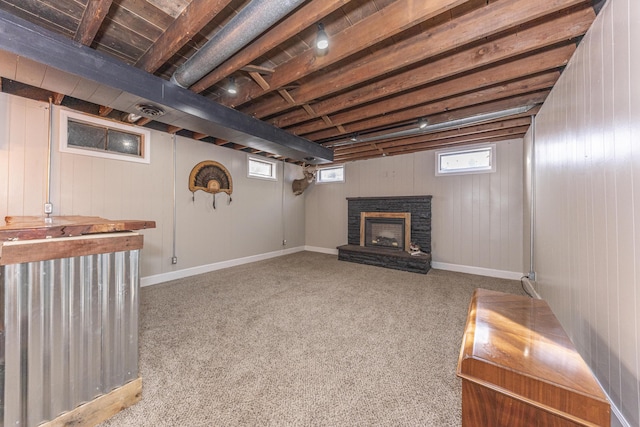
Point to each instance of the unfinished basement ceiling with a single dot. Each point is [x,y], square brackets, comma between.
[390,63]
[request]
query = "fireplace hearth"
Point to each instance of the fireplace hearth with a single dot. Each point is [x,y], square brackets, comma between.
[381,231]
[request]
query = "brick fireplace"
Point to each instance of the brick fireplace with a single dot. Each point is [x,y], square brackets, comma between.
[380,230]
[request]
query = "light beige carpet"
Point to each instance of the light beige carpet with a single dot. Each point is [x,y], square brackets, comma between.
[304,340]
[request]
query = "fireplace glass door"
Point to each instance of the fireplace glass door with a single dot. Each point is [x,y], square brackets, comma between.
[385,230]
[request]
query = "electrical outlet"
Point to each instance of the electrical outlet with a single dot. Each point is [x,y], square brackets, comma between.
[174,260]
[48,208]
[284,242]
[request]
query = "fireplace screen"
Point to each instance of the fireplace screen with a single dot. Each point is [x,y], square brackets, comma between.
[385,230]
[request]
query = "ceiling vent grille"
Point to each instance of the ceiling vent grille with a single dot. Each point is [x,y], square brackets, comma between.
[150,110]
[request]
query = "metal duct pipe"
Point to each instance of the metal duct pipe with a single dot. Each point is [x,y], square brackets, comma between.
[248,24]
[452,124]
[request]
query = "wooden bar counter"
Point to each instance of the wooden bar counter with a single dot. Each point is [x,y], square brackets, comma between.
[69,289]
[519,368]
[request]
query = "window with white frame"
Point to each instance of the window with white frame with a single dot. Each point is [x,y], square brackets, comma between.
[480,159]
[330,174]
[261,168]
[93,136]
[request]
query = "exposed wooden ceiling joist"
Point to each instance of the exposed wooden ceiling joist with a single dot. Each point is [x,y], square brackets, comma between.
[396,17]
[502,16]
[533,84]
[192,19]
[468,83]
[390,62]
[358,149]
[290,27]
[523,43]
[91,21]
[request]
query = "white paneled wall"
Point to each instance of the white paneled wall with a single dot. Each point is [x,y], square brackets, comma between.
[261,215]
[477,219]
[587,209]
[23,156]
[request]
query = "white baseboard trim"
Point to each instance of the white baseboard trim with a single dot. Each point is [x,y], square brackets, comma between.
[321,250]
[501,274]
[529,285]
[480,271]
[187,272]
[616,412]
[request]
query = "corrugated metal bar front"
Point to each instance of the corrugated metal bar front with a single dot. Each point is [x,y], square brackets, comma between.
[70,330]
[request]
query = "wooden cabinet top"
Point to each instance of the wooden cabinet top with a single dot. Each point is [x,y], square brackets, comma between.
[515,345]
[32,227]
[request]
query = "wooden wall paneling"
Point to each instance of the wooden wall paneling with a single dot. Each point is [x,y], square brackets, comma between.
[100,182]
[495,221]
[257,212]
[381,175]
[480,196]
[199,222]
[192,209]
[81,187]
[485,234]
[626,255]
[465,218]
[326,209]
[580,222]
[63,200]
[586,214]
[36,139]
[572,215]
[444,240]
[513,254]
[450,220]
[294,224]
[610,74]
[4,153]
[634,92]
[601,353]
[17,156]
[526,201]
[366,178]
[106,187]
[156,197]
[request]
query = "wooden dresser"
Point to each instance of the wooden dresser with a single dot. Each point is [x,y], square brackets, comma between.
[519,368]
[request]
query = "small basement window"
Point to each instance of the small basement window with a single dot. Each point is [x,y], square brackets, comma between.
[466,161]
[93,136]
[330,174]
[261,168]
